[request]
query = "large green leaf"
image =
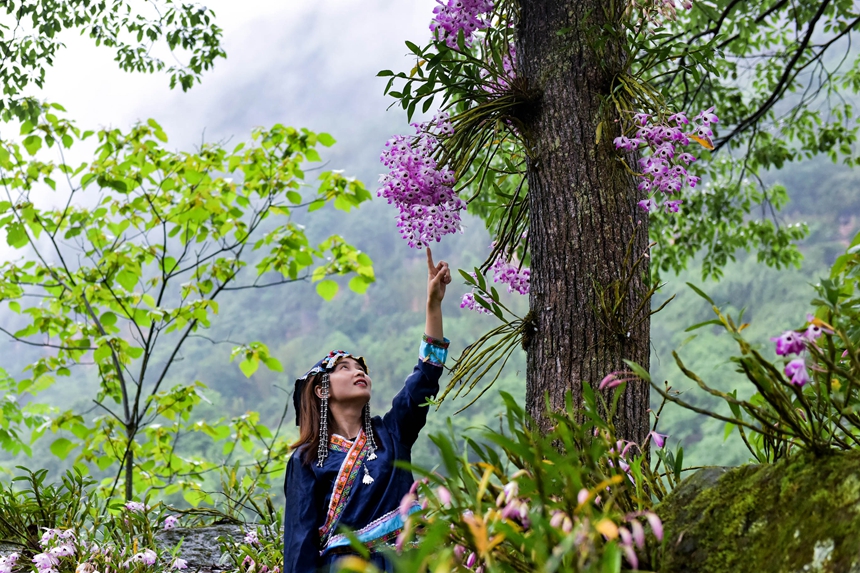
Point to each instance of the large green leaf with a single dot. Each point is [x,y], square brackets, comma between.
[327,289]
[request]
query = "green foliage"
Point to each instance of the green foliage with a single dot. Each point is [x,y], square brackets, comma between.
[787,413]
[518,500]
[783,78]
[73,528]
[30,40]
[129,262]
[27,510]
[679,240]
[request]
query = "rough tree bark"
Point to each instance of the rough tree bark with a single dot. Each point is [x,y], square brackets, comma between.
[583,213]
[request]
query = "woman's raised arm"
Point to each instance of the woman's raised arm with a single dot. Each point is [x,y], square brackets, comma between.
[438,277]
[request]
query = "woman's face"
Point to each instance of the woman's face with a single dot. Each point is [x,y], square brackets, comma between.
[349,382]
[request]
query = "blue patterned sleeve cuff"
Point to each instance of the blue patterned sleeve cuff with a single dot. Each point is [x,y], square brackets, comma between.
[433,350]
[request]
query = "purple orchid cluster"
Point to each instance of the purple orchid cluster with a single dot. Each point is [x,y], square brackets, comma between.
[623,449]
[59,543]
[8,562]
[252,538]
[454,16]
[248,564]
[55,544]
[632,535]
[137,507]
[468,302]
[518,280]
[664,168]
[424,194]
[793,342]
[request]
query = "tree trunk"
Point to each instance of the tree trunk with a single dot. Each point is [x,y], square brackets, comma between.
[586,230]
[129,463]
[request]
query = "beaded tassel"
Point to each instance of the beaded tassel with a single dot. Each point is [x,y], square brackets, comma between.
[322,449]
[368,429]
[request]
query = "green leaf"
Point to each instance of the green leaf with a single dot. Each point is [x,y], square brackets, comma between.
[414,49]
[80,431]
[701,293]
[701,324]
[359,284]
[61,447]
[16,235]
[480,300]
[273,364]
[127,279]
[326,139]
[249,366]
[102,352]
[108,319]
[679,463]
[638,370]
[193,497]
[327,289]
[482,282]
[104,462]
[611,562]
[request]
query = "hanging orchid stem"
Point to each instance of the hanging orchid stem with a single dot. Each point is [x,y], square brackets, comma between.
[504,355]
[505,237]
[480,357]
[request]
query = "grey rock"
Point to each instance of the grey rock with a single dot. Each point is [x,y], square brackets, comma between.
[200,546]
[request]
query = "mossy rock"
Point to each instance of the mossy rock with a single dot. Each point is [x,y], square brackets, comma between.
[799,515]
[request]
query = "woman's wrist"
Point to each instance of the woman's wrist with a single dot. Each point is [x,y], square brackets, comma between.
[433,324]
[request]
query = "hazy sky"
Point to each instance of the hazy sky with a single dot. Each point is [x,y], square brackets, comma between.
[302,63]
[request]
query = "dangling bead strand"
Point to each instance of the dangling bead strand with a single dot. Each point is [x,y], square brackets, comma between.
[322,449]
[368,429]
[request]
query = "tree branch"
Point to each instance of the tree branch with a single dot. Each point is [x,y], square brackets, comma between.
[782,83]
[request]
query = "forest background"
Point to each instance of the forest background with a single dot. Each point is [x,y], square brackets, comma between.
[311,65]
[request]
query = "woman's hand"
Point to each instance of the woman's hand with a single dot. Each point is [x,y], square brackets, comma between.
[438,277]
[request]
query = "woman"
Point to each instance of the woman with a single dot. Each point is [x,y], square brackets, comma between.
[342,469]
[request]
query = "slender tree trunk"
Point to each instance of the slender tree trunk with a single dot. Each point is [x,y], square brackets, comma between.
[129,463]
[586,230]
